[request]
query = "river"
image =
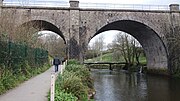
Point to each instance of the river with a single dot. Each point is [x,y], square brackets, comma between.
[124,86]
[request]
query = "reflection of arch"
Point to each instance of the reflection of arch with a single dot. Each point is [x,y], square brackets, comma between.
[44,25]
[156,53]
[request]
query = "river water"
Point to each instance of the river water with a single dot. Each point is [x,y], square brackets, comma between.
[124,86]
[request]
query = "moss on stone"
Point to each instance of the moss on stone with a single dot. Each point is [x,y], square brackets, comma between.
[160,71]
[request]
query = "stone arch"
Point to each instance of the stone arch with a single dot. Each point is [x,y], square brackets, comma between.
[155,49]
[44,25]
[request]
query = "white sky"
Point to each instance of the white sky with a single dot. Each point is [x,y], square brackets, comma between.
[148,2]
[108,37]
[151,2]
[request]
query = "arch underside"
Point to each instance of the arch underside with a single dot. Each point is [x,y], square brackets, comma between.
[44,25]
[152,44]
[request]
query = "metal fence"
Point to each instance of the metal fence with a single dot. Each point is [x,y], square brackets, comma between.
[42,3]
[46,3]
[124,6]
[12,54]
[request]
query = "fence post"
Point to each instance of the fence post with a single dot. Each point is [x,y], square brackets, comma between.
[9,53]
[53,79]
[52,95]
[62,66]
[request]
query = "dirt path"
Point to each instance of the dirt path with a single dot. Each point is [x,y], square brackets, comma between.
[35,89]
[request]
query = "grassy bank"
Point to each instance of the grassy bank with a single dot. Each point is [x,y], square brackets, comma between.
[10,78]
[109,58]
[75,84]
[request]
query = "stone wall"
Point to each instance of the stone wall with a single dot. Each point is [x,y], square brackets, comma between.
[78,26]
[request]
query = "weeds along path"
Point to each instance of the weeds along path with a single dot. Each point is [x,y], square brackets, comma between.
[35,89]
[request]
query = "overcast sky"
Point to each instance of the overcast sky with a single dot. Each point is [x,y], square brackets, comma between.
[150,2]
[156,2]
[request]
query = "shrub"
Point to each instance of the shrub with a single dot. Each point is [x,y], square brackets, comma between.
[82,72]
[71,83]
[61,95]
[2,88]
[74,81]
[11,77]
[8,80]
[73,61]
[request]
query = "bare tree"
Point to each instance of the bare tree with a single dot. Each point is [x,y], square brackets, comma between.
[98,46]
[25,34]
[54,44]
[28,34]
[125,46]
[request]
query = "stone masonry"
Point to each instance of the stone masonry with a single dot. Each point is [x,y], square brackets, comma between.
[78,26]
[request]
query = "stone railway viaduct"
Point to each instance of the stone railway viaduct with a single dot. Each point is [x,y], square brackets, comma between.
[77,26]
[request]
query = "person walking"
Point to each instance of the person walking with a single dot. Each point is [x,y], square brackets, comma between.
[56,63]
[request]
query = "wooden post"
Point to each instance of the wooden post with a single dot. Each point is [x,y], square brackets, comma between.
[62,66]
[110,68]
[52,87]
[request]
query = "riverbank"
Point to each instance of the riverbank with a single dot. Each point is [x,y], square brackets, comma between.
[75,84]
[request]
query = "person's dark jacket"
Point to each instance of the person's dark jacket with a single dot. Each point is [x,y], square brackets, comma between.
[56,61]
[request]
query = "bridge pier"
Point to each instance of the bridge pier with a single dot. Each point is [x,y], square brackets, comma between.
[74,3]
[74,47]
[173,47]
[76,50]
[1,4]
[174,7]
[172,37]
[110,67]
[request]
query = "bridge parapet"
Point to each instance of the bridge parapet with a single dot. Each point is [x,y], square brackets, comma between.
[1,3]
[74,3]
[123,6]
[77,4]
[174,7]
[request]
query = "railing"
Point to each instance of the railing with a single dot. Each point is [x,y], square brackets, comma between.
[45,3]
[124,6]
[38,3]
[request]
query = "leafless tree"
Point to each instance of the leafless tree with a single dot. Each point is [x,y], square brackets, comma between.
[28,34]
[9,32]
[98,45]
[54,44]
[126,47]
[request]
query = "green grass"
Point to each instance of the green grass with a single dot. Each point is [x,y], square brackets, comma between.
[109,58]
[105,58]
[142,60]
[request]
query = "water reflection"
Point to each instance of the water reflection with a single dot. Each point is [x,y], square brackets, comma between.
[163,89]
[124,86]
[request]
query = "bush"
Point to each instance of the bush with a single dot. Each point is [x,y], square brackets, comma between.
[73,61]
[71,83]
[8,80]
[61,95]
[2,88]
[11,77]
[75,80]
[82,72]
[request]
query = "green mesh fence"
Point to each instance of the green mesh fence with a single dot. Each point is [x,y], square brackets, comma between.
[12,54]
